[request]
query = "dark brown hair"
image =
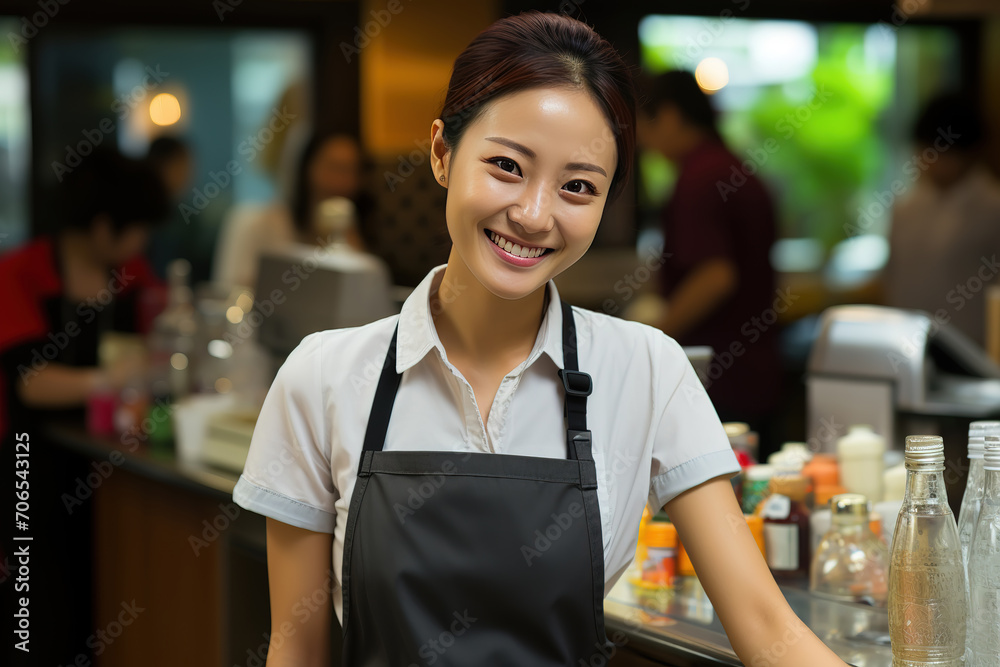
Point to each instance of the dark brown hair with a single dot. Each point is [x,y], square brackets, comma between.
[535,50]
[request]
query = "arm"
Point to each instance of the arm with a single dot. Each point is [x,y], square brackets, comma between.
[749,603]
[298,565]
[704,289]
[59,386]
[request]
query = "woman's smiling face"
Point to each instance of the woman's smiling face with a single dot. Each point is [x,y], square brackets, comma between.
[533,173]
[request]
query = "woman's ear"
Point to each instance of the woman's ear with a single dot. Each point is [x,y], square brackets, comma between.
[440,153]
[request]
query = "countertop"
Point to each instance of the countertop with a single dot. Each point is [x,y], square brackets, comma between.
[686,632]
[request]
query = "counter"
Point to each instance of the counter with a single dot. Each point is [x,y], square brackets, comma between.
[168,531]
[689,632]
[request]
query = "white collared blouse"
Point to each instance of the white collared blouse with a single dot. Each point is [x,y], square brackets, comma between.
[655,432]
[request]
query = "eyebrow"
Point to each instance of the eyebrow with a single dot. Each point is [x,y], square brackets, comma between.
[524,150]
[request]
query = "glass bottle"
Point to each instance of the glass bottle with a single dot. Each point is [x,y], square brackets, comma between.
[984,566]
[172,340]
[786,524]
[848,564]
[927,604]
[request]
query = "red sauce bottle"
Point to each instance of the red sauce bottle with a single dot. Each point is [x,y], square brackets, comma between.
[786,526]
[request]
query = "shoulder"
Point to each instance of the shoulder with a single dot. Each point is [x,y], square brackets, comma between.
[341,358]
[710,162]
[31,262]
[29,274]
[28,277]
[617,338]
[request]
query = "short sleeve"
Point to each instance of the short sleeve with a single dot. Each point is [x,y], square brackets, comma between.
[689,445]
[287,475]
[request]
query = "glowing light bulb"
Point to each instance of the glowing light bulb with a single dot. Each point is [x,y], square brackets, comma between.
[711,74]
[164,109]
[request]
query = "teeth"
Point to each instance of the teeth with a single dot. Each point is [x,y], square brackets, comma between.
[514,248]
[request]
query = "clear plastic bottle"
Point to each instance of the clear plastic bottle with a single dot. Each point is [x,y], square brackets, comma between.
[927,604]
[984,567]
[850,564]
[972,499]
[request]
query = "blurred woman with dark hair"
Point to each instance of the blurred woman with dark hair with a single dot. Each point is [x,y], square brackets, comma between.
[332,165]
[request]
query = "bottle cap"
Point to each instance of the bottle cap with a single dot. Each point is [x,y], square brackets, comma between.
[992,454]
[784,463]
[797,449]
[977,431]
[734,429]
[793,485]
[984,428]
[660,535]
[759,473]
[850,505]
[925,453]
[976,443]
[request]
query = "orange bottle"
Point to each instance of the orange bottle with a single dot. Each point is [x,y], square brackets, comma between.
[660,564]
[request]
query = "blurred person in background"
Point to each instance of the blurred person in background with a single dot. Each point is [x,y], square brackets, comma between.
[946,230]
[331,165]
[173,160]
[61,294]
[717,276]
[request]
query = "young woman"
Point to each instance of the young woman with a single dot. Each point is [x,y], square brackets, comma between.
[482,492]
[331,165]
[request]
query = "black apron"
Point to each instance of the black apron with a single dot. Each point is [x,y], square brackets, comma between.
[461,558]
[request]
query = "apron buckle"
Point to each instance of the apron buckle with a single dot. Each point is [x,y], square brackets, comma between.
[576,383]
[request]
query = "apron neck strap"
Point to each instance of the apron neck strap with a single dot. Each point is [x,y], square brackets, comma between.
[577,385]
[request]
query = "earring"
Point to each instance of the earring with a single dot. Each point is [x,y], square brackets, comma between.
[442,178]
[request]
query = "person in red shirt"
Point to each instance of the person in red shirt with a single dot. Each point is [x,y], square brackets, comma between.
[61,292]
[717,277]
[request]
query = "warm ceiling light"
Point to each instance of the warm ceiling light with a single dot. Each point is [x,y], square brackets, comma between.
[164,109]
[711,74]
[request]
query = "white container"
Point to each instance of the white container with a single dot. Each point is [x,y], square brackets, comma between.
[894,483]
[860,455]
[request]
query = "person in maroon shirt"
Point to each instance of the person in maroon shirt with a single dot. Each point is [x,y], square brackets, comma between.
[718,229]
[61,293]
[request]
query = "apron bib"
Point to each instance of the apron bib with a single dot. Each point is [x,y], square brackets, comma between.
[461,558]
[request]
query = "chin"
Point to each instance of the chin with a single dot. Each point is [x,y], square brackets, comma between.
[510,284]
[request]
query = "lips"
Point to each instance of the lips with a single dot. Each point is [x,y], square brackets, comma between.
[517,249]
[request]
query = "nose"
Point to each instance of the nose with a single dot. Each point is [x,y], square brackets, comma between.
[533,208]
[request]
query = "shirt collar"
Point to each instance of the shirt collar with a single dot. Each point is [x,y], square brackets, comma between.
[418,336]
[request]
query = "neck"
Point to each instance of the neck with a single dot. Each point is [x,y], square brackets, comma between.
[473,323]
[689,140]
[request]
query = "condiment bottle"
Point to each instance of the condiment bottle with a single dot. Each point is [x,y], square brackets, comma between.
[660,564]
[756,481]
[786,525]
[849,565]
[861,467]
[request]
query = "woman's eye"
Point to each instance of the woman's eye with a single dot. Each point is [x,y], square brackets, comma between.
[506,164]
[581,187]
